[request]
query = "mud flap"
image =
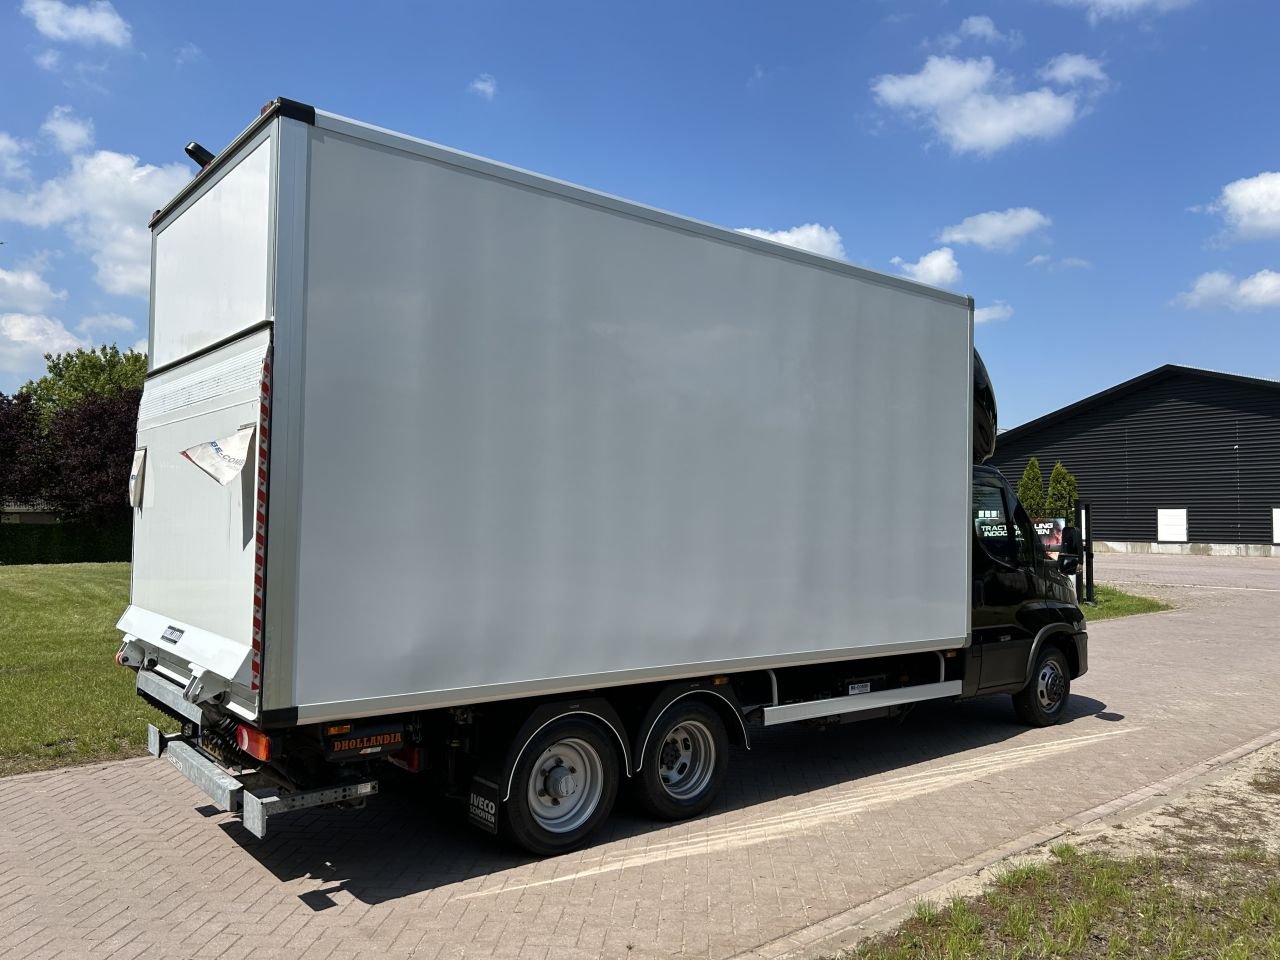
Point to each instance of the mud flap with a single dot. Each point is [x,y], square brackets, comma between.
[482,808]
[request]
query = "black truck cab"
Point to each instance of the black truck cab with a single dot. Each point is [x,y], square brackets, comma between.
[1028,633]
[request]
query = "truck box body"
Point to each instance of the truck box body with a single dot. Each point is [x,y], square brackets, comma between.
[509,437]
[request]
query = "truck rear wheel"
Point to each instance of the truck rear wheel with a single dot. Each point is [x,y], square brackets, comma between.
[1043,701]
[563,786]
[684,762]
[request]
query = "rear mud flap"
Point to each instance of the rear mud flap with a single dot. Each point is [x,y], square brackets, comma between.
[482,809]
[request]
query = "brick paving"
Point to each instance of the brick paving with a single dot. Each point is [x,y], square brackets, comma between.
[126,860]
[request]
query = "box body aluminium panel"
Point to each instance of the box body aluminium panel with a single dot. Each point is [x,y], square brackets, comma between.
[551,441]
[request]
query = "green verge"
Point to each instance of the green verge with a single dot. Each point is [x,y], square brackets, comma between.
[1206,903]
[63,700]
[1114,603]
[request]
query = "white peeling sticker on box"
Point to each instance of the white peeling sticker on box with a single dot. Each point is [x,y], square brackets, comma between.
[222,459]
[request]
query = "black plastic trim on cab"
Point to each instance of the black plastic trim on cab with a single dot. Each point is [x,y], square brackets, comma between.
[217,344]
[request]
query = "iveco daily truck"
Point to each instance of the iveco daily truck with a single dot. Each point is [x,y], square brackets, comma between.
[542,494]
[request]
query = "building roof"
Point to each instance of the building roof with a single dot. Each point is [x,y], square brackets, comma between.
[1132,386]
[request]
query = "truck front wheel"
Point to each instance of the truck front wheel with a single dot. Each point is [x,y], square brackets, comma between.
[1043,701]
[684,761]
[563,786]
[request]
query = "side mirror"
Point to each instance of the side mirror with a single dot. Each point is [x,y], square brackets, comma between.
[1068,563]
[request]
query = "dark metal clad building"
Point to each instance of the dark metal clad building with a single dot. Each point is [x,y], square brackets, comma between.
[1175,455]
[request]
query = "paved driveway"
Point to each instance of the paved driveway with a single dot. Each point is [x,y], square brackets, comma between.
[125,860]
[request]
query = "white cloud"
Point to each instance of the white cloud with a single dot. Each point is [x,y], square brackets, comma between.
[1219,289]
[941,81]
[104,323]
[187,53]
[981,28]
[1251,206]
[996,229]
[24,289]
[973,108]
[89,23]
[1071,69]
[997,311]
[813,237]
[485,85]
[49,60]
[69,132]
[937,268]
[103,202]
[13,161]
[1065,263]
[25,338]
[1118,9]
[140,346]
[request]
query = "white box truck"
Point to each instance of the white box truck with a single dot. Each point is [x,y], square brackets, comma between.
[541,494]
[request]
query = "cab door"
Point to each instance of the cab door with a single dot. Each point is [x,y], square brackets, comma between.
[1005,583]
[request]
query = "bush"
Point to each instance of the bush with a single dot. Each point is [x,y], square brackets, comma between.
[1031,490]
[71,542]
[1061,499]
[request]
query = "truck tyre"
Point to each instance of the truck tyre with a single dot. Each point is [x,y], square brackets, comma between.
[684,761]
[1043,701]
[563,786]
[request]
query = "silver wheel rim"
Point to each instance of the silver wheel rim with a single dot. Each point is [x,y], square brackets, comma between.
[686,759]
[1051,686]
[565,785]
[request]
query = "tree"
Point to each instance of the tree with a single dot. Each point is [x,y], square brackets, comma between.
[24,460]
[1031,489]
[1061,498]
[93,442]
[102,372]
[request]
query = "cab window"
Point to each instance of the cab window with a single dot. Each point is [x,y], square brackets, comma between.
[1027,544]
[991,523]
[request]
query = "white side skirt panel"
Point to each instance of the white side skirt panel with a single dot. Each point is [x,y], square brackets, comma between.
[813,709]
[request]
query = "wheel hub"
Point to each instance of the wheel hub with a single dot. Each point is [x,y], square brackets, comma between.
[686,760]
[1051,686]
[670,754]
[560,783]
[564,787]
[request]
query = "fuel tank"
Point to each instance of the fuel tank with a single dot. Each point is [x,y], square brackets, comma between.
[984,412]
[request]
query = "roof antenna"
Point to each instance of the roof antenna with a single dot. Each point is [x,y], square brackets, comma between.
[198,154]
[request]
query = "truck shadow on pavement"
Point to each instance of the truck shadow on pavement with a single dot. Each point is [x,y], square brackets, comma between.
[408,842]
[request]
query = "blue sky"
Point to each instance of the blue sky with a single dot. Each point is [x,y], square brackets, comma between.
[1099,174]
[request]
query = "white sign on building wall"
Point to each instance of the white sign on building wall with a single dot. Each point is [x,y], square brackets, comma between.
[1171,526]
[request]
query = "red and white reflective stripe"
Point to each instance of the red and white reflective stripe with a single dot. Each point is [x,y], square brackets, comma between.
[260,525]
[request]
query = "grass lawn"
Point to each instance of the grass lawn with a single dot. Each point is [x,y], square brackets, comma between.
[63,700]
[1116,603]
[1196,878]
[1094,907]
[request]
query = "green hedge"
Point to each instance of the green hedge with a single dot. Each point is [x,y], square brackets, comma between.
[73,542]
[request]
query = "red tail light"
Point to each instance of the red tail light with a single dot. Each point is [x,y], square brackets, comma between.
[253,742]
